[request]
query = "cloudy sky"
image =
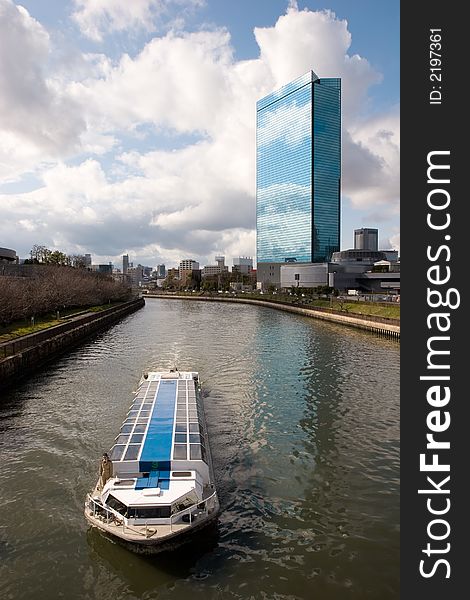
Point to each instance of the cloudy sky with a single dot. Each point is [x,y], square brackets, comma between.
[129,127]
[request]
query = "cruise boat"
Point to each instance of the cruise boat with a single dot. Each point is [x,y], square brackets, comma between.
[160,486]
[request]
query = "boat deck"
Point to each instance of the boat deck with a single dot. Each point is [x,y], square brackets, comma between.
[148,535]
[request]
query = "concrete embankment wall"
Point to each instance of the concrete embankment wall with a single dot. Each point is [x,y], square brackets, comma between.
[20,356]
[378,325]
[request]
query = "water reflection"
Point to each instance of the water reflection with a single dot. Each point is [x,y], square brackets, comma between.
[143,573]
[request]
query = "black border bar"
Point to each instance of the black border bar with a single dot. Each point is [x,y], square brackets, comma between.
[434,230]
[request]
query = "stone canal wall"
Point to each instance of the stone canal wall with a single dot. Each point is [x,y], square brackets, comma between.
[20,356]
[378,325]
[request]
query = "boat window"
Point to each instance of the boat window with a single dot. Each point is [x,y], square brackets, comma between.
[122,439]
[116,452]
[117,505]
[129,421]
[194,428]
[180,427]
[195,452]
[179,452]
[183,503]
[144,413]
[180,438]
[149,512]
[126,428]
[137,438]
[132,452]
[194,438]
[139,429]
[181,473]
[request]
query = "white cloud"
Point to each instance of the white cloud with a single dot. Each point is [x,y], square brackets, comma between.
[97,18]
[305,40]
[195,200]
[395,241]
[371,162]
[37,120]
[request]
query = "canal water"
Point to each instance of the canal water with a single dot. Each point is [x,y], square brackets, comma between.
[303,421]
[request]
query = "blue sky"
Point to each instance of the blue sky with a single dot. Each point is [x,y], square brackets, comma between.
[129,127]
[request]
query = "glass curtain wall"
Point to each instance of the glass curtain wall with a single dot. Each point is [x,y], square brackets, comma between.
[298,171]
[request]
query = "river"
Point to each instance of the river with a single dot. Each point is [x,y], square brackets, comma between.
[303,422]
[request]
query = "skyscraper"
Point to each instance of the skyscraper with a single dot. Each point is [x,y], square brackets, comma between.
[298,174]
[125,264]
[366,239]
[161,271]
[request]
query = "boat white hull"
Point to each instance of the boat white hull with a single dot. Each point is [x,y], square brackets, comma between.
[154,538]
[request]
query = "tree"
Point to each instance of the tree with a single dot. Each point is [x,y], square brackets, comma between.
[40,254]
[58,258]
[77,261]
[50,288]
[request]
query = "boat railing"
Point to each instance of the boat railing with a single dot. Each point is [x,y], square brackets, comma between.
[112,516]
[204,507]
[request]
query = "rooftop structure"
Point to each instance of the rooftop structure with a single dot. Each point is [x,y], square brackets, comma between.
[366,238]
[163,425]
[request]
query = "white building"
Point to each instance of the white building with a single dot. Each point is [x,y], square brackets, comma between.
[309,275]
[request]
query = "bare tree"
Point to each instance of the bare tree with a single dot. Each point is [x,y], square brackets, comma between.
[55,287]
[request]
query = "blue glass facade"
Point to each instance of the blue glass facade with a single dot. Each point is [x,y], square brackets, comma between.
[299,171]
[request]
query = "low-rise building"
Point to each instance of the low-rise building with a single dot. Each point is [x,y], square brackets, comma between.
[354,256]
[216,269]
[269,274]
[8,256]
[243,264]
[309,275]
[237,286]
[342,276]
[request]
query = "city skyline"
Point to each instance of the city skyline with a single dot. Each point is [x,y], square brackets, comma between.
[133,132]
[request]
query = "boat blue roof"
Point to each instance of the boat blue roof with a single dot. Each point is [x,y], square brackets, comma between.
[163,424]
[158,441]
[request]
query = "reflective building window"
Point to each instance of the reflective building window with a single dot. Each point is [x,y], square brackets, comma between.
[299,171]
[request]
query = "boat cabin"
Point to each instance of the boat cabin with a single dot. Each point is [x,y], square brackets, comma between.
[160,461]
